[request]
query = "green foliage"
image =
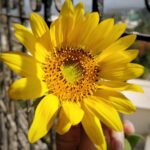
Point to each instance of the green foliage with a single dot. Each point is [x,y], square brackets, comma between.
[127,145]
[132,140]
[144,26]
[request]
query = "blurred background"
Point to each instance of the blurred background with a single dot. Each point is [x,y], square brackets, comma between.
[15,117]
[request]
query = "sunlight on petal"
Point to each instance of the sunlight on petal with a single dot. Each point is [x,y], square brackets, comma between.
[44,116]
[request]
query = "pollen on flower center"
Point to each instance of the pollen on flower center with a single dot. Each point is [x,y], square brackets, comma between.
[71,74]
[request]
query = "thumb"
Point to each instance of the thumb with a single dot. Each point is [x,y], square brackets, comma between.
[69,140]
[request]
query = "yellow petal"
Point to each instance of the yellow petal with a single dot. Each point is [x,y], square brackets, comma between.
[91,21]
[105,112]
[117,58]
[119,86]
[78,16]
[73,112]
[110,59]
[122,44]
[100,33]
[117,100]
[67,20]
[63,124]
[52,33]
[56,32]
[41,53]
[41,31]
[78,28]
[27,88]
[133,71]
[67,7]
[44,116]
[82,24]
[113,57]
[122,72]
[123,105]
[38,25]
[66,23]
[28,40]
[25,37]
[117,31]
[132,54]
[93,129]
[46,42]
[22,64]
[79,10]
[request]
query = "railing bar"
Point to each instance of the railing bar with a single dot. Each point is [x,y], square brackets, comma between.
[140,36]
[13,16]
[97,6]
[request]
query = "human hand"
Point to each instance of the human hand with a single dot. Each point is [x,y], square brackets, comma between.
[76,138]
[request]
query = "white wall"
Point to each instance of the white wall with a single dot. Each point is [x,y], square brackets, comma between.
[140,119]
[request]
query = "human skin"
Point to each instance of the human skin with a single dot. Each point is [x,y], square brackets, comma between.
[76,138]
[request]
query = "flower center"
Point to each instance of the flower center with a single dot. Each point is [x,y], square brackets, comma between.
[71,74]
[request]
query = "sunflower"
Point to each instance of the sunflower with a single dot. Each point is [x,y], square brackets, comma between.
[79,68]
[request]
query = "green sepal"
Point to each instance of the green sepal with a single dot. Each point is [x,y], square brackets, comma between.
[127,145]
[23,104]
[134,139]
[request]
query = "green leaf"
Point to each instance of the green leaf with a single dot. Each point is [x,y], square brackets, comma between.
[127,145]
[23,104]
[134,139]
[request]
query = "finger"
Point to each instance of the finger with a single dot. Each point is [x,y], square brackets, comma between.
[117,140]
[128,127]
[85,143]
[107,133]
[70,140]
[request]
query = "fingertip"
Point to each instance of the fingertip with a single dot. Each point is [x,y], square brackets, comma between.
[128,127]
